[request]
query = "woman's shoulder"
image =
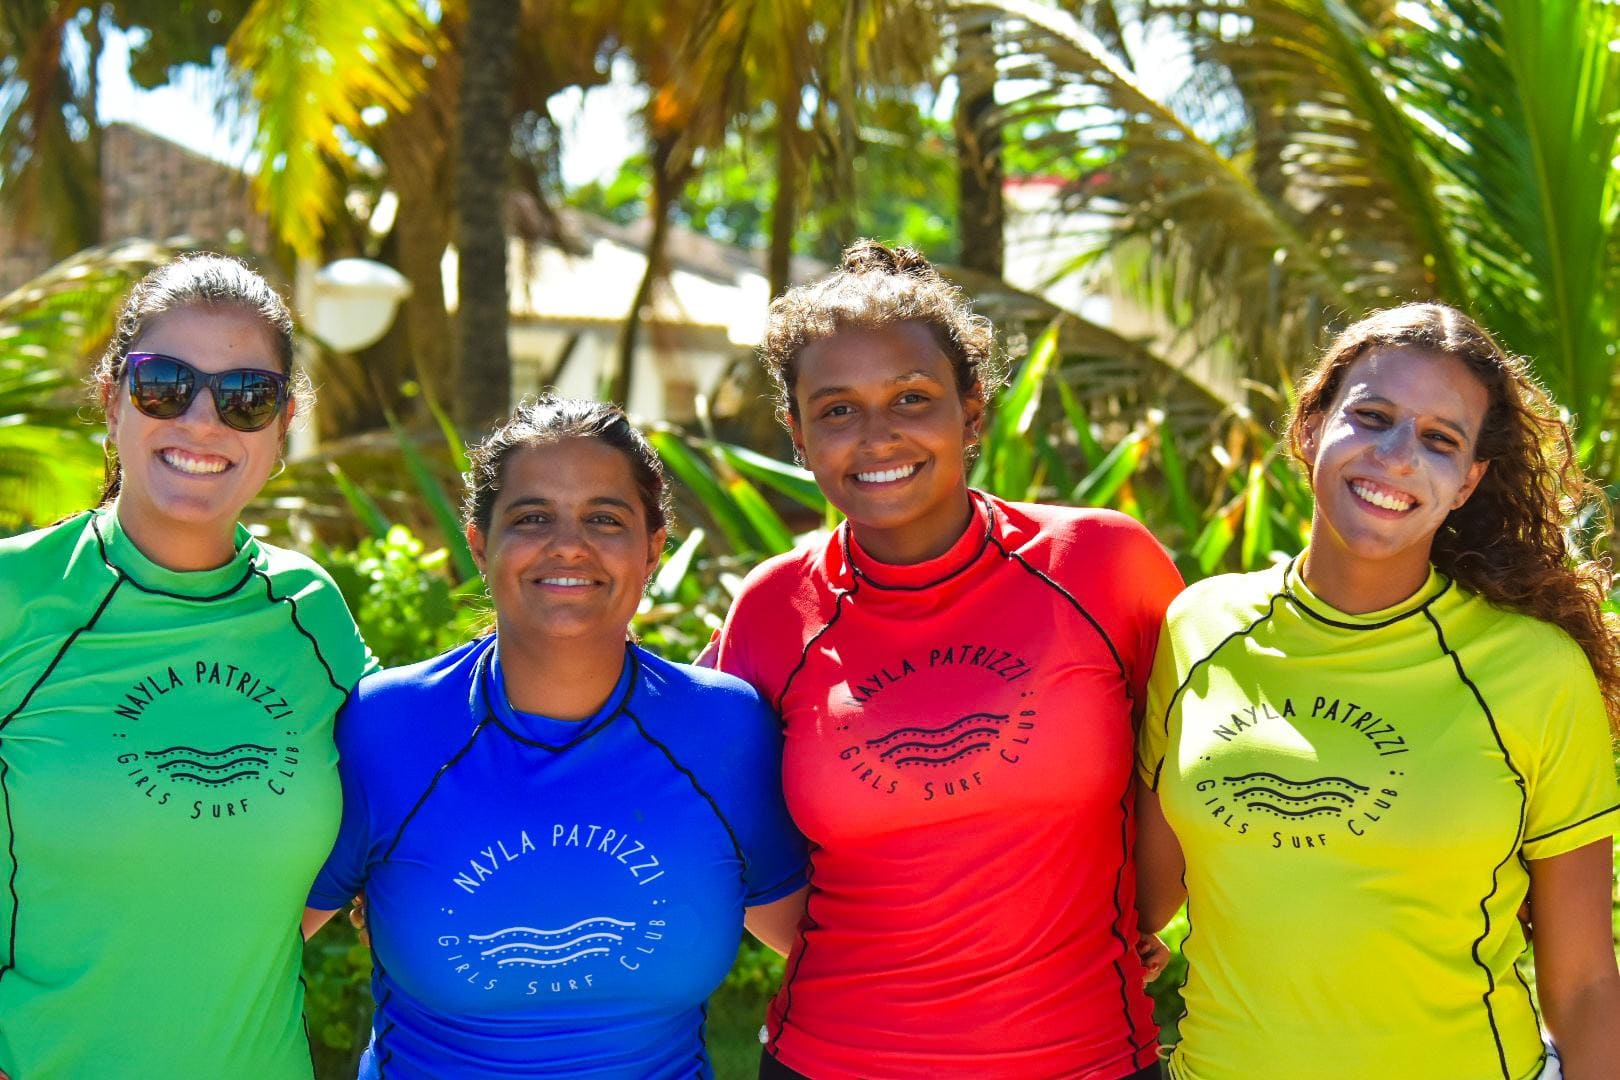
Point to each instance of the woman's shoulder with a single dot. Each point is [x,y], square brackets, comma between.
[291,572]
[1099,531]
[448,672]
[1219,604]
[703,686]
[52,545]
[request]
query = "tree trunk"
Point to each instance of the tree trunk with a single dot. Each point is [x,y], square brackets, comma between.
[485,363]
[668,179]
[979,171]
[785,203]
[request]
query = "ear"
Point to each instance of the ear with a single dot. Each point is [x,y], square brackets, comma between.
[655,548]
[1476,473]
[475,541]
[796,434]
[973,417]
[1310,438]
[109,409]
[292,411]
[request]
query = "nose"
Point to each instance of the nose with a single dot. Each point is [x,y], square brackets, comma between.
[201,413]
[566,538]
[878,429]
[1397,447]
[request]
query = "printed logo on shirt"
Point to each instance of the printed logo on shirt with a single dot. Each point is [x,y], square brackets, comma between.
[949,755]
[1309,805]
[158,748]
[612,921]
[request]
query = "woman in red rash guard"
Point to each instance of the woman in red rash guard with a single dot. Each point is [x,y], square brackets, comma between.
[958,678]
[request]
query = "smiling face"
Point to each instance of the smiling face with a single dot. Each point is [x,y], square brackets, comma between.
[881,424]
[1390,458]
[186,480]
[567,551]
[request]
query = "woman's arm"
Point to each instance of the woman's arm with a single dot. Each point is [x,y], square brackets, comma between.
[314,919]
[777,923]
[1571,901]
[1159,864]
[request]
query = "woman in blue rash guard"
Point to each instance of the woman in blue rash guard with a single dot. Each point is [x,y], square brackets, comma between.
[559,834]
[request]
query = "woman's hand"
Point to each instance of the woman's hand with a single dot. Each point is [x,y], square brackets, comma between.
[1154,954]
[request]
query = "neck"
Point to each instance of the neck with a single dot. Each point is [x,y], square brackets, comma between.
[563,680]
[1359,586]
[906,546]
[177,547]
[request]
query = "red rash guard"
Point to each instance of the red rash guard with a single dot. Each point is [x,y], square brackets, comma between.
[958,752]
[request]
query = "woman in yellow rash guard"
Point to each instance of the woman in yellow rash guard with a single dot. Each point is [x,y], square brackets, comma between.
[1372,756]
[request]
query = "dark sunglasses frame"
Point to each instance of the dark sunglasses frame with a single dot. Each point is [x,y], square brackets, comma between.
[227,397]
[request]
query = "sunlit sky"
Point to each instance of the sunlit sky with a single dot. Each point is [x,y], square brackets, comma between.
[598,133]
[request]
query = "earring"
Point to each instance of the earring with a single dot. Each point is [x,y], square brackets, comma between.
[281,467]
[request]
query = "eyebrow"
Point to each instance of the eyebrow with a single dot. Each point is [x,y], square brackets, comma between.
[537,500]
[1375,399]
[916,375]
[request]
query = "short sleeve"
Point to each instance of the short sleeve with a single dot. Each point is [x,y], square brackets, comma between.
[733,656]
[344,873]
[1153,733]
[340,638]
[774,850]
[1573,798]
[1154,581]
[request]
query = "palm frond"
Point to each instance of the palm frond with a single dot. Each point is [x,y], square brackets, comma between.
[312,69]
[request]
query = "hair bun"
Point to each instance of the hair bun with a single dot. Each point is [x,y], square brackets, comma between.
[868,256]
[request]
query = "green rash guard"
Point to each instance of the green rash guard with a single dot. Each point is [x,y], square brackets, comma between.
[1357,797]
[170,789]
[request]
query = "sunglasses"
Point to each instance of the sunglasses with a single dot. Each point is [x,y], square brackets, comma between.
[163,387]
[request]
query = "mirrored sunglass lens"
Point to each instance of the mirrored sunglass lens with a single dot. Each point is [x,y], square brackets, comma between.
[161,388]
[247,400]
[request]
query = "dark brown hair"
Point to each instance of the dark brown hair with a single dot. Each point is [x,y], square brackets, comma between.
[549,420]
[1510,541]
[204,280]
[878,286]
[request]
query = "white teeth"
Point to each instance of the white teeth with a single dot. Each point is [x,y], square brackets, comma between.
[887,476]
[1379,499]
[568,581]
[195,466]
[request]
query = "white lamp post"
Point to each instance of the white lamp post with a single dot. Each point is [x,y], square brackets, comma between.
[348,305]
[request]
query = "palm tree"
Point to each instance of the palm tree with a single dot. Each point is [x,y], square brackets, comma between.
[1316,159]
[483,152]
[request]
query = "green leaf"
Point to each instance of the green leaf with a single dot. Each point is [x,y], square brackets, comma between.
[1111,474]
[444,511]
[780,476]
[668,581]
[364,506]
[768,525]
[691,469]
[1256,518]
[1090,449]
[1175,482]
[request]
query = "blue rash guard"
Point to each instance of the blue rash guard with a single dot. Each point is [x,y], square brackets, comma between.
[548,897]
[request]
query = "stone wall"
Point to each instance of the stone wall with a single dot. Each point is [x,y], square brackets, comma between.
[156,189]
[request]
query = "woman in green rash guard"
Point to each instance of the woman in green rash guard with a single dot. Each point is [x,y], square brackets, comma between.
[1373,755]
[167,687]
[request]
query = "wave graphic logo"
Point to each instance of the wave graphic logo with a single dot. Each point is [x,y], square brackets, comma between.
[1331,796]
[531,947]
[212,768]
[969,735]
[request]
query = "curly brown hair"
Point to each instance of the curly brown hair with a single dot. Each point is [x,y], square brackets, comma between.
[877,286]
[1510,542]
